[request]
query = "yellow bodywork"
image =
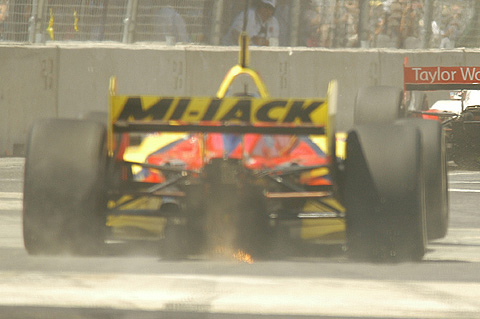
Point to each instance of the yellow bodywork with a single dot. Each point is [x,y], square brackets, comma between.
[231,109]
[325,230]
[136,227]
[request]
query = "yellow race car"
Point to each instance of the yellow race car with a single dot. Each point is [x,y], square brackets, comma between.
[245,171]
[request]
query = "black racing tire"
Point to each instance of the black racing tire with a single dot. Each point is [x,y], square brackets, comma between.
[64,205]
[384,191]
[175,245]
[282,245]
[177,237]
[378,105]
[436,177]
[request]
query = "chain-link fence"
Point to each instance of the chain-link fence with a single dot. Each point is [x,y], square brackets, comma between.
[406,24]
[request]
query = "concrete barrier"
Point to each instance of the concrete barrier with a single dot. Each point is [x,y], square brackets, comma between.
[28,91]
[70,79]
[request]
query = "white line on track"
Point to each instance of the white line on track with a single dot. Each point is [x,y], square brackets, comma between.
[11,206]
[460,190]
[463,173]
[11,195]
[11,201]
[464,182]
[225,294]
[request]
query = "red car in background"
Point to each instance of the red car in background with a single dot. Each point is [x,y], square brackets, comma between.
[460,114]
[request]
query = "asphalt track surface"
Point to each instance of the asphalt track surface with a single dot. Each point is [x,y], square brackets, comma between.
[320,285]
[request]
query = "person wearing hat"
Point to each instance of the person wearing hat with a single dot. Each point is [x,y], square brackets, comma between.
[169,25]
[261,24]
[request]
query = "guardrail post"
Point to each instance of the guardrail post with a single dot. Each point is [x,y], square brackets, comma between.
[130,21]
[35,22]
[31,22]
[363,24]
[428,14]
[294,22]
[216,27]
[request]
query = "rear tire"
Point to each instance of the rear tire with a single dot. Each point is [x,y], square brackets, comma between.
[96,116]
[64,188]
[384,189]
[175,245]
[177,241]
[436,177]
[378,105]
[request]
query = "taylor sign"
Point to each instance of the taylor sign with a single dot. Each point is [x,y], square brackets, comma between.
[441,77]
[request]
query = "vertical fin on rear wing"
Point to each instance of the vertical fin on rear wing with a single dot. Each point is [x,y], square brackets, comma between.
[242,68]
[332,98]
[112,90]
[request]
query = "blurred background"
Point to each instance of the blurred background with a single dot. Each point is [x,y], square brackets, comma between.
[403,24]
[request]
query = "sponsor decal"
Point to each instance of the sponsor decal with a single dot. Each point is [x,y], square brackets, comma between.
[441,75]
[226,110]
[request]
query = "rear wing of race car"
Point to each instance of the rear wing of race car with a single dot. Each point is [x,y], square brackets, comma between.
[221,114]
[441,78]
[238,115]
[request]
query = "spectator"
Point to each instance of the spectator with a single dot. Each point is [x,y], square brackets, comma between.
[352,14]
[453,29]
[170,25]
[95,20]
[449,36]
[393,24]
[346,24]
[316,30]
[3,18]
[261,24]
[409,24]
[377,18]
[282,14]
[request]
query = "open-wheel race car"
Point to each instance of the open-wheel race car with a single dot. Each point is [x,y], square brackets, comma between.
[254,173]
[460,114]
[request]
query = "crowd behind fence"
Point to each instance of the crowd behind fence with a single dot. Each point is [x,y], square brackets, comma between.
[408,24]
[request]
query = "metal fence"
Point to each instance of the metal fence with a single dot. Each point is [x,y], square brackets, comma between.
[316,23]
